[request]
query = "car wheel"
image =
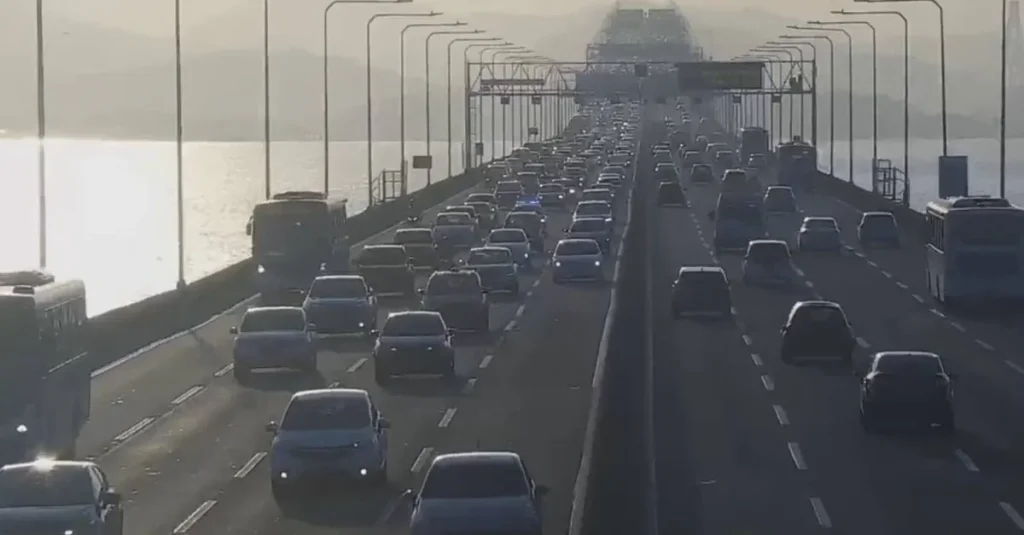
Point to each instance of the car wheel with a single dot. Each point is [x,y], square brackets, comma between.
[240,372]
[381,375]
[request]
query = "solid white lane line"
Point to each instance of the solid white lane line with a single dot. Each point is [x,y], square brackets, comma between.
[820,513]
[984,345]
[187,394]
[486,361]
[194,517]
[421,459]
[225,370]
[780,414]
[135,429]
[769,385]
[446,420]
[1013,514]
[250,465]
[968,463]
[757,359]
[797,456]
[357,364]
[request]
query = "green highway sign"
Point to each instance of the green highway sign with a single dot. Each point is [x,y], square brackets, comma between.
[720,75]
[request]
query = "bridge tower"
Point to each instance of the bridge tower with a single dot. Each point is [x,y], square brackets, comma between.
[1014,51]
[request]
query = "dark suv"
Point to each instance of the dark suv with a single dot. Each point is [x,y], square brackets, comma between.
[817,330]
[701,292]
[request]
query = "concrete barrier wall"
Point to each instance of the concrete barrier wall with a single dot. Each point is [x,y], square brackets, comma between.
[126,329]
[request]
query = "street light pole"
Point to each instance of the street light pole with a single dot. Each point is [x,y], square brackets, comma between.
[784,50]
[426,76]
[41,126]
[849,66]
[401,84]
[179,145]
[498,49]
[468,150]
[831,96]
[448,85]
[803,100]
[369,94]
[942,62]
[1002,102]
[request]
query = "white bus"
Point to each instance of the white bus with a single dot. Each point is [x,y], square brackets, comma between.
[975,250]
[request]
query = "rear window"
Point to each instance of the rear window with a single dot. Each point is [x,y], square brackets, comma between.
[490,256]
[408,237]
[383,256]
[551,188]
[509,187]
[481,207]
[521,220]
[820,224]
[779,200]
[452,219]
[474,480]
[596,195]
[908,364]
[701,279]
[588,225]
[338,288]
[573,248]
[413,325]
[451,283]
[320,413]
[34,487]
[507,236]
[768,253]
[593,208]
[288,319]
[820,316]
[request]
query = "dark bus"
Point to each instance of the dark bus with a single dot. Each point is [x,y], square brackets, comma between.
[45,383]
[798,165]
[297,236]
[753,140]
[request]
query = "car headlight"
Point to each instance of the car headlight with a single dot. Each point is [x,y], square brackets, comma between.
[260,269]
[597,263]
[558,264]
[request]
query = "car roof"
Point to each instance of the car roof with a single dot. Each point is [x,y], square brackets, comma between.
[883,354]
[464,214]
[46,464]
[257,310]
[488,248]
[576,240]
[332,393]
[888,215]
[384,245]
[601,220]
[605,190]
[817,303]
[819,218]
[470,458]
[772,242]
[603,203]
[779,188]
[340,278]
[410,231]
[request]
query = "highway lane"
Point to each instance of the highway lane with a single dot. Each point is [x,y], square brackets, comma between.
[528,391]
[179,432]
[864,483]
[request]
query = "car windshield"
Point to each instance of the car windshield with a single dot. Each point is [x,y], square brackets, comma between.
[338,288]
[315,413]
[383,256]
[474,480]
[692,283]
[593,208]
[413,325]
[479,197]
[481,207]
[593,195]
[588,225]
[573,248]
[269,320]
[521,220]
[414,237]
[550,188]
[879,222]
[489,256]
[768,253]
[908,364]
[453,283]
[509,187]
[507,236]
[779,200]
[613,171]
[821,317]
[452,219]
[820,224]
[36,487]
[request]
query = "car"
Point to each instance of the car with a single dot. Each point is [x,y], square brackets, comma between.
[413,342]
[552,195]
[665,172]
[507,193]
[516,241]
[274,337]
[613,170]
[779,200]
[569,186]
[701,173]
[907,387]
[327,435]
[465,209]
[341,305]
[878,229]
[608,182]
[477,492]
[533,207]
[487,214]
[662,156]
[671,194]
[454,232]
[577,259]
[594,209]
[460,298]
[387,269]
[817,330]
[598,194]
[532,224]
[819,234]
[62,497]
[496,268]
[768,263]
[419,247]
[598,229]
[488,198]
[701,292]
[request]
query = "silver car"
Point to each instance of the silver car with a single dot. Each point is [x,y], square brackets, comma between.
[341,305]
[496,268]
[592,228]
[577,259]
[69,497]
[819,234]
[454,230]
[326,435]
[595,209]
[477,492]
[274,337]
[516,241]
[413,342]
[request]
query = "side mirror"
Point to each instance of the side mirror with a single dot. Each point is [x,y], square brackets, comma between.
[451,332]
[271,427]
[374,333]
[384,423]
[421,291]
[485,291]
[409,496]
[311,327]
[711,215]
[953,376]
[111,497]
[233,329]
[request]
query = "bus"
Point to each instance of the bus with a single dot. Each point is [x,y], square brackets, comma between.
[296,236]
[798,165]
[975,250]
[753,140]
[45,383]
[738,219]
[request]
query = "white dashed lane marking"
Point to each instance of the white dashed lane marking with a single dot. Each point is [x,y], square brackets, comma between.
[863,343]
[194,517]
[902,286]
[747,340]
[470,384]
[887,274]
[225,370]
[250,465]
[769,385]
[820,513]
[919,298]
[797,456]
[1013,515]
[421,460]
[1014,366]
[446,420]
[985,345]
[968,463]
[486,361]
[186,395]
[937,313]
[135,429]
[757,359]
[957,326]
[356,365]
[780,415]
